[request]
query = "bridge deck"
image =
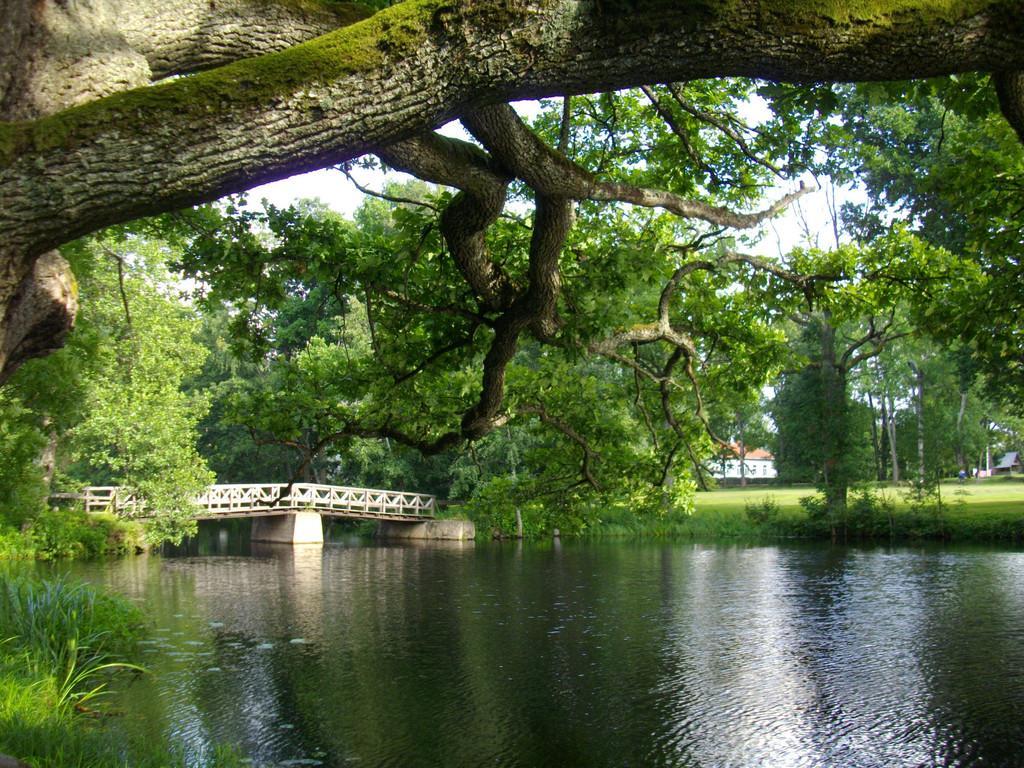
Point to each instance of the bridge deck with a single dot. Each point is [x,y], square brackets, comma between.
[253,500]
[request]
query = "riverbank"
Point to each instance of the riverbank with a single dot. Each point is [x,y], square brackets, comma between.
[60,534]
[60,644]
[989,511]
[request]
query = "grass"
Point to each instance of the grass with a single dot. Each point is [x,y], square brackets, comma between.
[998,496]
[990,510]
[59,643]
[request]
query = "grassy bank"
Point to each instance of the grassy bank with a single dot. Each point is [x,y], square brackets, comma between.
[989,511]
[60,642]
[70,533]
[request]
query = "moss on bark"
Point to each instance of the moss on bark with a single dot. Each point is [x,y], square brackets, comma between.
[402,28]
[360,47]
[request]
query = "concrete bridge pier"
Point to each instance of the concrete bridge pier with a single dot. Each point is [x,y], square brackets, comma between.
[290,528]
[437,530]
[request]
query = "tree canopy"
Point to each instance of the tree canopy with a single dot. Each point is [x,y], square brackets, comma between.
[535,267]
[233,111]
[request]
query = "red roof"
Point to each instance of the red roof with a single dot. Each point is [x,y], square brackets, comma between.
[752,453]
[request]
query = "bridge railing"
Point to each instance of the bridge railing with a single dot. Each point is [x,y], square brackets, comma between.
[243,498]
[111,498]
[238,498]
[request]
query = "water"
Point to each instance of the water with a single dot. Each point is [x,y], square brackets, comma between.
[584,654]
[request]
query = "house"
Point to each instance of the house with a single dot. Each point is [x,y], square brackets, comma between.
[1007,465]
[758,465]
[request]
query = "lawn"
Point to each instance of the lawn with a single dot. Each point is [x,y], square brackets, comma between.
[992,509]
[997,495]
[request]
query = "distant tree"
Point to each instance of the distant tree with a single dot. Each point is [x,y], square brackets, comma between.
[137,427]
[845,318]
[937,155]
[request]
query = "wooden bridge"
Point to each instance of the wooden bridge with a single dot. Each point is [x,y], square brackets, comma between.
[256,500]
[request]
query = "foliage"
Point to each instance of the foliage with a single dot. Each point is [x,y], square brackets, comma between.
[349,362]
[337,351]
[762,512]
[22,493]
[138,429]
[15,545]
[976,512]
[66,630]
[59,533]
[109,407]
[939,155]
[62,640]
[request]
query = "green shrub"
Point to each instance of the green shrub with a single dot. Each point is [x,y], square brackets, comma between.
[58,533]
[764,512]
[15,545]
[815,506]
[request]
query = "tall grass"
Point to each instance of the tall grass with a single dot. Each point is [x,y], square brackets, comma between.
[67,631]
[59,640]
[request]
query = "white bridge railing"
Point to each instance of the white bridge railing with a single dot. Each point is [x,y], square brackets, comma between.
[243,500]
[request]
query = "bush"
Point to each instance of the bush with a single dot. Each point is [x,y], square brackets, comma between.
[815,506]
[14,545]
[57,534]
[764,512]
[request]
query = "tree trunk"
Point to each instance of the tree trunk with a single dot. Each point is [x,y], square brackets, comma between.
[834,424]
[884,440]
[919,413]
[513,461]
[961,449]
[893,455]
[743,461]
[40,312]
[876,444]
[48,457]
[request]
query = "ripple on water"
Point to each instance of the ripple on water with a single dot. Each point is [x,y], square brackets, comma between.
[598,655]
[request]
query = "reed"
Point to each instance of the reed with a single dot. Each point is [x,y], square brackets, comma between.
[68,631]
[59,643]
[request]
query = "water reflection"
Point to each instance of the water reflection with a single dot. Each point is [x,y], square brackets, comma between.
[585,654]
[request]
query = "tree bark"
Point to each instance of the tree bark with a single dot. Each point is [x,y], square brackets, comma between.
[410,67]
[420,63]
[834,426]
[919,413]
[39,314]
[961,453]
[48,456]
[56,54]
[876,437]
[894,457]
[1010,89]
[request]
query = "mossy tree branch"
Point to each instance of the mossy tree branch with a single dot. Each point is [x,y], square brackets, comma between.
[422,62]
[418,64]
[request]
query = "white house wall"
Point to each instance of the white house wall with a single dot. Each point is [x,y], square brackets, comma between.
[755,468]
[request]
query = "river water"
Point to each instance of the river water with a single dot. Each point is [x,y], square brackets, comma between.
[583,654]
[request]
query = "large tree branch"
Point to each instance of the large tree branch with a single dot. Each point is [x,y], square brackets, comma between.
[370,84]
[185,36]
[464,222]
[549,172]
[680,133]
[588,453]
[1010,87]
[59,54]
[421,62]
[724,127]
